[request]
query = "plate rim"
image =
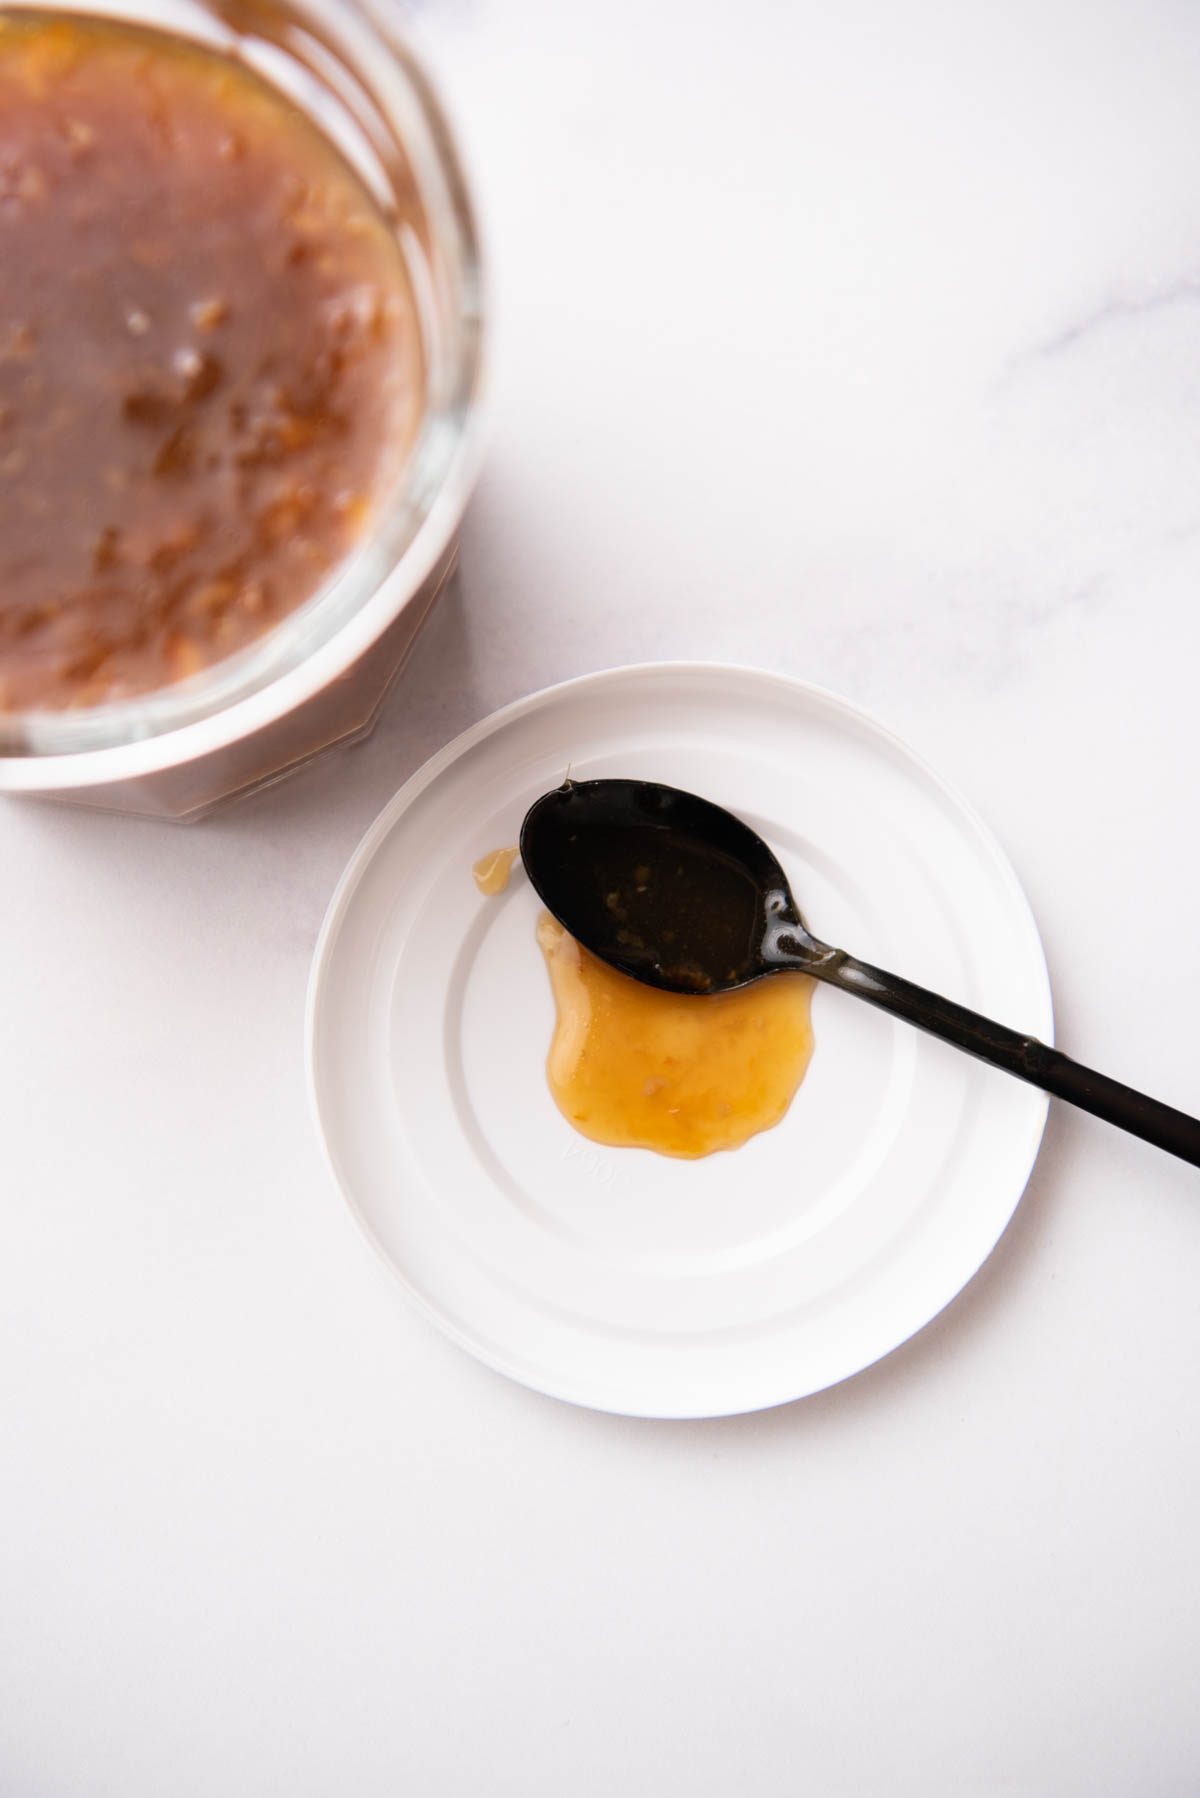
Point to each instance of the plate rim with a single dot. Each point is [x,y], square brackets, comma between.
[423,777]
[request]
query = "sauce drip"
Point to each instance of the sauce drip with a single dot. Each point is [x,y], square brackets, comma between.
[210,359]
[492,871]
[637,1067]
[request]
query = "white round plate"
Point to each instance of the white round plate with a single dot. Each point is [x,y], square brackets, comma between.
[616,1277]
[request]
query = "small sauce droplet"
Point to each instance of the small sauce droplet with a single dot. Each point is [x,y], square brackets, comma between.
[492,871]
[636,1067]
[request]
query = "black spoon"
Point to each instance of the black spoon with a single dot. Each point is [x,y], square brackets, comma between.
[680,894]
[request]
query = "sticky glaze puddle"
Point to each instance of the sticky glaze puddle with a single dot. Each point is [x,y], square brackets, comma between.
[633,1066]
[636,1067]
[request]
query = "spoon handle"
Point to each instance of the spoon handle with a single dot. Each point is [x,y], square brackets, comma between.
[1023,1056]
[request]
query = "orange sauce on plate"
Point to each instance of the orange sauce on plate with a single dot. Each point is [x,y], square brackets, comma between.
[636,1067]
[491,872]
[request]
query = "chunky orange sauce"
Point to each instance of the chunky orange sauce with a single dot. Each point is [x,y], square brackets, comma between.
[635,1067]
[210,362]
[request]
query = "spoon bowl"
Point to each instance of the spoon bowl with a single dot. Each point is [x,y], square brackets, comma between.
[663,885]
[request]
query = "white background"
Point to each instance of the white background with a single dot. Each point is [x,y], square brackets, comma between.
[859,341]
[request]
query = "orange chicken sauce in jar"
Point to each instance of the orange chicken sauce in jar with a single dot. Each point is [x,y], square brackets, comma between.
[210,359]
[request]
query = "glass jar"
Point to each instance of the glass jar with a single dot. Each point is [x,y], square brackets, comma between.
[319,676]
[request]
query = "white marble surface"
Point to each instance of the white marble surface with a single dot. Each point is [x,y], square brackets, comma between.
[859,341]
